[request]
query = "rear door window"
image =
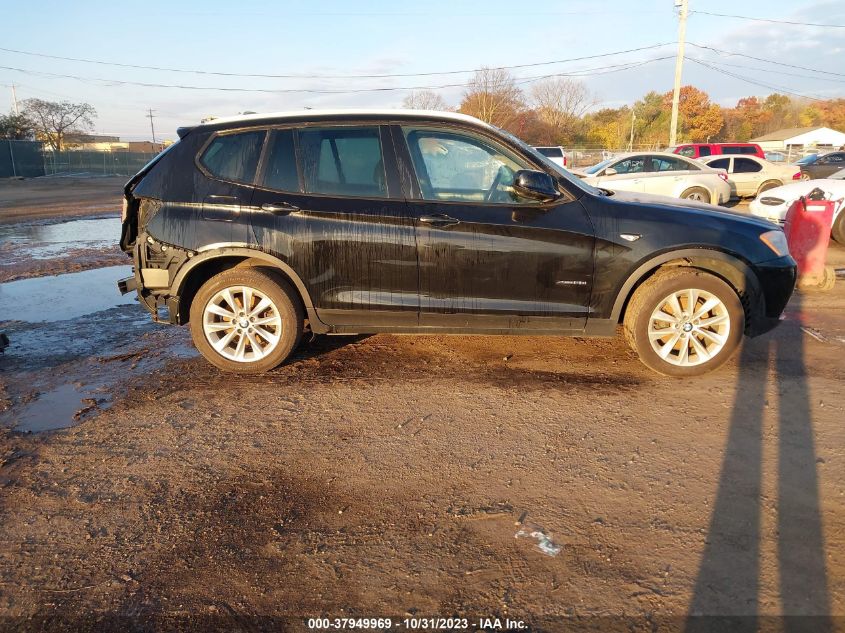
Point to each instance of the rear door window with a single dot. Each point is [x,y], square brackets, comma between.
[550,152]
[746,166]
[280,171]
[343,161]
[703,150]
[234,156]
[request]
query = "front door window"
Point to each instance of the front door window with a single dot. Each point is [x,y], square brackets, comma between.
[462,168]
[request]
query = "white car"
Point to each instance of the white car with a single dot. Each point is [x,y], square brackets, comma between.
[555,154]
[751,175]
[774,203]
[661,173]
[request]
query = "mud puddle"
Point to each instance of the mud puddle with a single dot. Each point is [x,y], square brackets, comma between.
[62,297]
[74,342]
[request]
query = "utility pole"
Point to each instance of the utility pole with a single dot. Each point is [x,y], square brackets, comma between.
[152,127]
[633,118]
[679,66]
[15,99]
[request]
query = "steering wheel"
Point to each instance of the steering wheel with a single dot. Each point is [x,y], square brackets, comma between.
[488,197]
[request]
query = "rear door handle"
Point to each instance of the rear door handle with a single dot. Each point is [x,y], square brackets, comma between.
[439,219]
[278,207]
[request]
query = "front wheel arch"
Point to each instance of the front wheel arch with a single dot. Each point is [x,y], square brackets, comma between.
[737,273]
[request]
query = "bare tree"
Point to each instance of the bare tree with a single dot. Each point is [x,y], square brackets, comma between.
[560,102]
[493,96]
[55,119]
[424,100]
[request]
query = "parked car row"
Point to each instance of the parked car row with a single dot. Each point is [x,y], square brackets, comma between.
[716,178]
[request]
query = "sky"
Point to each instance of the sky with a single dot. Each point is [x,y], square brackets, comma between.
[336,38]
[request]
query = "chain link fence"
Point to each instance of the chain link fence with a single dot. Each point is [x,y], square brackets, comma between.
[30,159]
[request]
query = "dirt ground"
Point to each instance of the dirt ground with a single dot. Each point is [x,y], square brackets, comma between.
[53,197]
[555,481]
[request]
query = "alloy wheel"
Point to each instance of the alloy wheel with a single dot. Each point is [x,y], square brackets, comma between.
[689,327]
[242,324]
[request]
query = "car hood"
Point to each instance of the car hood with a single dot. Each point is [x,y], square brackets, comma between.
[677,205]
[794,190]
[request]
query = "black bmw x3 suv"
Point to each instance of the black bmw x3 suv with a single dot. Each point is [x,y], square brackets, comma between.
[254,230]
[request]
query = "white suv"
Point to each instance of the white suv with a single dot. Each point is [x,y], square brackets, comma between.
[555,154]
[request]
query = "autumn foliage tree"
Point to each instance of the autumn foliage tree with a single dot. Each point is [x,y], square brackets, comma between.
[699,120]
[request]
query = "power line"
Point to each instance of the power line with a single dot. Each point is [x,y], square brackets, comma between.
[117,82]
[763,59]
[780,89]
[305,76]
[771,70]
[746,17]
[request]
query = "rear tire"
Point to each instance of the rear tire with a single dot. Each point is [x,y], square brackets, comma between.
[246,320]
[838,230]
[805,176]
[698,194]
[673,339]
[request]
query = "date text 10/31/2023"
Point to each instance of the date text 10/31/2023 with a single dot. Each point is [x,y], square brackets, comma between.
[418,624]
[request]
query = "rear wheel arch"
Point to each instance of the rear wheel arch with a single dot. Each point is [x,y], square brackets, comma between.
[731,269]
[206,265]
[701,190]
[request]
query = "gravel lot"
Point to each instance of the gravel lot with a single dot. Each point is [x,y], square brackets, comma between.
[522,477]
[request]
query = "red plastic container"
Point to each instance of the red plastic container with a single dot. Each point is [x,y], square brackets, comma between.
[807,230]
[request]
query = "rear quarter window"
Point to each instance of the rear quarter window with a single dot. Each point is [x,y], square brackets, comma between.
[234,156]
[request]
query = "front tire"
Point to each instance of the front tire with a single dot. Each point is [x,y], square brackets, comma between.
[684,322]
[246,320]
[769,184]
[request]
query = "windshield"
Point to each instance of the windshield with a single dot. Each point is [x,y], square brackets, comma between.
[807,159]
[557,169]
[598,166]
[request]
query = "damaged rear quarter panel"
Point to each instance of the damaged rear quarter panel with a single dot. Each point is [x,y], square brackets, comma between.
[180,190]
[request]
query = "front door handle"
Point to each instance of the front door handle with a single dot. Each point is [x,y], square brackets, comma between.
[278,207]
[439,219]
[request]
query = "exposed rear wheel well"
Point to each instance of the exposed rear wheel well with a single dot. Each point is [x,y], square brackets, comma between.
[206,270]
[740,280]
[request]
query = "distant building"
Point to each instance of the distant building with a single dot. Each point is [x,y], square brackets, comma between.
[797,139]
[147,147]
[96,142]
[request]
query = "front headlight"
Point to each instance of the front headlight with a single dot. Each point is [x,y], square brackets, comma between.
[775,240]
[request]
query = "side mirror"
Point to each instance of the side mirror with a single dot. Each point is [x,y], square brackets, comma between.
[537,185]
[610,172]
